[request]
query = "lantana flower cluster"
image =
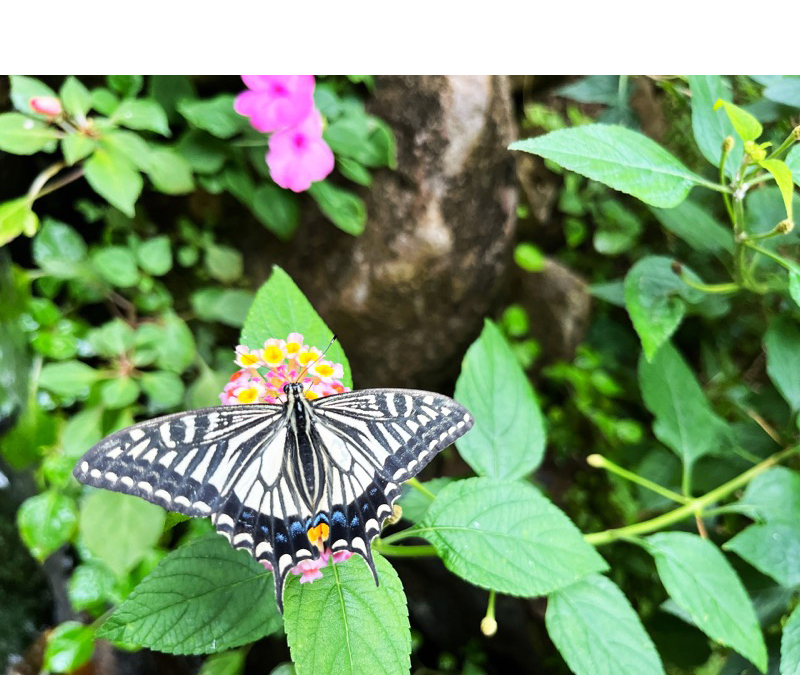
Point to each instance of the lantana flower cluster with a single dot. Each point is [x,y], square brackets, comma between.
[283,105]
[261,377]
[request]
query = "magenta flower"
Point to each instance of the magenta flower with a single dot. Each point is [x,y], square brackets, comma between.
[273,102]
[298,156]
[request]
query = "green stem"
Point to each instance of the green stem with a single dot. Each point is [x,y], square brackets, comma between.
[600,462]
[398,536]
[38,183]
[692,507]
[413,482]
[61,182]
[725,195]
[787,143]
[383,548]
[778,259]
[729,287]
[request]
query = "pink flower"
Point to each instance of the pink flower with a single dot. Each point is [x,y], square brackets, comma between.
[310,569]
[273,102]
[342,556]
[46,105]
[298,156]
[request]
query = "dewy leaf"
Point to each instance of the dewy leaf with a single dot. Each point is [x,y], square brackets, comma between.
[114,178]
[709,127]
[620,158]
[783,178]
[506,536]
[702,583]
[508,438]
[775,495]
[281,308]
[655,299]
[120,529]
[597,631]
[22,135]
[202,598]
[782,344]
[684,420]
[697,227]
[772,548]
[343,624]
[142,114]
[77,147]
[47,521]
[790,644]
[747,127]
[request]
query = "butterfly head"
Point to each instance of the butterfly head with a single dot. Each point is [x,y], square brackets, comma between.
[293,389]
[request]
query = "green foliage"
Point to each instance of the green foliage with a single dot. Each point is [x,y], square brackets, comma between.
[69,646]
[46,522]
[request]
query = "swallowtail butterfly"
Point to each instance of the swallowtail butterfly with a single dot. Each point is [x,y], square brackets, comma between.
[287,481]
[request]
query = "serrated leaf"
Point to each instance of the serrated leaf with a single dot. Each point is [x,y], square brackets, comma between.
[277,209]
[155,255]
[618,157]
[772,548]
[344,209]
[16,217]
[69,646]
[177,350]
[774,495]
[709,127]
[216,115]
[70,378]
[142,114]
[114,178]
[120,548]
[46,522]
[782,344]
[684,420]
[702,583]
[204,597]
[367,623]
[75,97]
[697,227]
[747,127]
[508,438]
[170,173]
[790,644]
[506,536]
[597,631]
[22,135]
[281,308]
[117,265]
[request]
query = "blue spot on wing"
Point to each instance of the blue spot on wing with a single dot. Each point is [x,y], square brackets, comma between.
[296,529]
[338,518]
[280,537]
[354,522]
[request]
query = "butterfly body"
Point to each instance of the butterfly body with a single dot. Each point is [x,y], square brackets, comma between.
[285,482]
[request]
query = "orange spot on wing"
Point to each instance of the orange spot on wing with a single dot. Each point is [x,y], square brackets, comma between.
[319,535]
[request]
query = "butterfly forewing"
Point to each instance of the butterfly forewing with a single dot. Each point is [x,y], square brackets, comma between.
[271,476]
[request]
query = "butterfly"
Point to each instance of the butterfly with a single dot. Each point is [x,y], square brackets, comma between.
[289,481]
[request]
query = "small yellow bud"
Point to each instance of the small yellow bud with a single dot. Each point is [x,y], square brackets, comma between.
[727,144]
[595,460]
[785,226]
[488,626]
[755,152]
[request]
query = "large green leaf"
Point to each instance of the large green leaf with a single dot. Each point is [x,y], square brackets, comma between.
[508,438]
[281,308]
[712,127]
[697,227]
[773,548]
[597,631]
[774,495]
[782,344]
[684,420]
[343,624]
[790,644]
[22,135]
[114,178]
[703,584]
[46,522]
[505,535]
[620,158]
[204,597]
[120,529]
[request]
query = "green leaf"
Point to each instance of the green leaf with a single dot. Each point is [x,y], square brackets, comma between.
[368,624]
[277,209]
[104,101]
[505,535]
[793,162]
[119,392]
[120,529]
[113,338]
[772,548]
[224,263]
[204,153]
[70,378]
[697,227]
[46,522]
[703,584]
[131,145]
[655,299]
[77,147]
[354,171]
[75,97]
[216,115]
[709,127]
[684,420]
[24,88]
[177,350]
[774,495]
[165,389]
[342,208]
[155,255]
[117,265]
[790,644]
[747,127]
[618,157]
[143,115]
[90,585]
[597,631]
[281,308]
[17,217]
[125,85]
[226,305]
[22,135]
[794,286]
[114,178]
[170,173]
[226,663]
[782,344]
[508,438]
[82,431]
[783,178]
[617,230]
[529,257]
[204,597]
[415,503]
[59,250]
[69,646]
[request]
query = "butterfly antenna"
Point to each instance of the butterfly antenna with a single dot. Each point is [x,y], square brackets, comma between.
[300,376]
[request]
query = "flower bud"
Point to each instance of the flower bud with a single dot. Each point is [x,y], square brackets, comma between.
[796,133]
[785,226]
[755,152]
[46,105]
[676,267]
[727,144]
[488,626]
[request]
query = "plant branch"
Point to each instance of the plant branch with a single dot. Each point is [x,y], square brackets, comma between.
[413,482]
[383,548]
[61,182]
[600,462]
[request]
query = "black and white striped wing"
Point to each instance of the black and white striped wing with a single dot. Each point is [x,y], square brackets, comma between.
[187,462]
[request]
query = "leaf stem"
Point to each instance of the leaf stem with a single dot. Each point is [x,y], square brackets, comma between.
[692,507]
[728,287]
[38,183]
[403,551]
[61,182]
[778,259]
[413,482]
[787,143]
[600,462]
